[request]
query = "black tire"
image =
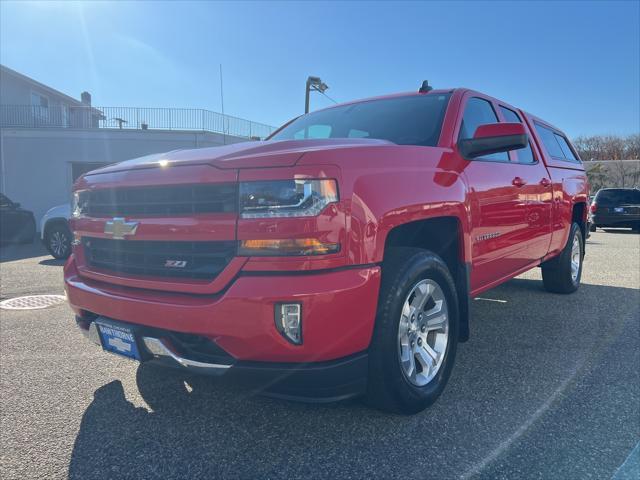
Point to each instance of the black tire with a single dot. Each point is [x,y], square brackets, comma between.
[388,388]
[556,273]
[592,227]
[57,239]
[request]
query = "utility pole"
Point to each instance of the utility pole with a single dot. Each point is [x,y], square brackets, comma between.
[315,84]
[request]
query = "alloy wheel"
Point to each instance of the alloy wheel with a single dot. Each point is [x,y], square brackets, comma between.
[58,243]
[576,257]
[423,332]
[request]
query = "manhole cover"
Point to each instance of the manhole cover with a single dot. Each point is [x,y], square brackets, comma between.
[32,302]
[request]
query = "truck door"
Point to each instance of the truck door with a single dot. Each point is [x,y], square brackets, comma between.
[498,204]
[537,190]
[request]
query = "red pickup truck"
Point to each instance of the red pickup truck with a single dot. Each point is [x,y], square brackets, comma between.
[338,257]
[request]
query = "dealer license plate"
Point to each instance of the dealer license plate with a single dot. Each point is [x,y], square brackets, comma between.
[119,339]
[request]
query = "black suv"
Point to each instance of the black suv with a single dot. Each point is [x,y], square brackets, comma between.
[616,207]
[16,224]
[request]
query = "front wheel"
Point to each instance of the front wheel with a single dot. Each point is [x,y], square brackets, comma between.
[416,333]
[563,273]
[58,241]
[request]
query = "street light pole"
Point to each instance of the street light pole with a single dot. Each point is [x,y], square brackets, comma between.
[315,84]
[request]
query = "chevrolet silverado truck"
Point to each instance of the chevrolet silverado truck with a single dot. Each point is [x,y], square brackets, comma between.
[338,257]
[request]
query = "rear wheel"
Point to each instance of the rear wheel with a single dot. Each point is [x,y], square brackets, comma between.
[416,333]
[562,274]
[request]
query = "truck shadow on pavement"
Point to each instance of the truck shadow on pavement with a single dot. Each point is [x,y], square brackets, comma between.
[199,427]
[52,262]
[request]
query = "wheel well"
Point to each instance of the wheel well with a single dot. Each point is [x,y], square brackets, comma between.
[443,236]
[53,223]
[578,216]
[440,235]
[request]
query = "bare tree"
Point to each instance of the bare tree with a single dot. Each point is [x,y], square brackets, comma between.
[608,147]
[607,160]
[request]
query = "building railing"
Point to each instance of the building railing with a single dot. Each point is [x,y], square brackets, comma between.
[130,118]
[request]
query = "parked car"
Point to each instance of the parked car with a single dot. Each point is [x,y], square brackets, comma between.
[336,259]
[616,207]
[55,232]
[17,225]
[590,226]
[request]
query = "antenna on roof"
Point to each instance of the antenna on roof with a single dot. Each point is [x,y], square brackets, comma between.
[425,87]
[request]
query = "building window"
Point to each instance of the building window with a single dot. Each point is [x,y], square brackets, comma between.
[40,105]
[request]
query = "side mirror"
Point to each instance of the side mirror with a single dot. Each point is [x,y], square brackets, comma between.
[494,138]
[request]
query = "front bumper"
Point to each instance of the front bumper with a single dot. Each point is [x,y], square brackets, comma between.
[338,312]
[616,220]
[313,382]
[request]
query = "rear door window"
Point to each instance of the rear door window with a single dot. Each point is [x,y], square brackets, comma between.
[549,140]
[479,112]
[525,155]
[566,149]
[557,146]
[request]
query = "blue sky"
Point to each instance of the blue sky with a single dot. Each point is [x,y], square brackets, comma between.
[576,64]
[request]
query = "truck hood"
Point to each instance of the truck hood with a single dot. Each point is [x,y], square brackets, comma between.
[284,153]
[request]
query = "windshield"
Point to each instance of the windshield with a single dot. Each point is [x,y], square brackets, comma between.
[410,120]
[618,196]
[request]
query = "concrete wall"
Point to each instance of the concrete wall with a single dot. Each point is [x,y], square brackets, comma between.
[36,164]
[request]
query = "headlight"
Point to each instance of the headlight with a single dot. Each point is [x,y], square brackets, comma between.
[78,204]
[75,205]
[286,198]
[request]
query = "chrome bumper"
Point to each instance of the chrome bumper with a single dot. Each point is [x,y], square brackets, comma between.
[160,351]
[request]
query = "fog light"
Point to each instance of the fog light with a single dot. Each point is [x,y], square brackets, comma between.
[289,321]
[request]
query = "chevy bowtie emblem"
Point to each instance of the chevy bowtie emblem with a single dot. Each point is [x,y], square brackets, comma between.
[118,228]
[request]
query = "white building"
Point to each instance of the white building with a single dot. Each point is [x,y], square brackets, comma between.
[48,139]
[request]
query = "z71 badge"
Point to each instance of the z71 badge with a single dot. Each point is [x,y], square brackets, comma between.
[175,263]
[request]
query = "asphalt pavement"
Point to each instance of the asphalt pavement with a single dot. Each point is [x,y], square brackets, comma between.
[548,387]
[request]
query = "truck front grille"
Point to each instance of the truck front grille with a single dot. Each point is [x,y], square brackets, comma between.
[173,200]
[174,259]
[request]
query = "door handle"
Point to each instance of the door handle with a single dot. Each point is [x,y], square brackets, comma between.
[518,182]
[545,182]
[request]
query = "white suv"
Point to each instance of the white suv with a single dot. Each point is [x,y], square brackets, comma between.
[55,232]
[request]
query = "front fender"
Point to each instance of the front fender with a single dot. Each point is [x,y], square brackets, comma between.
[384,200]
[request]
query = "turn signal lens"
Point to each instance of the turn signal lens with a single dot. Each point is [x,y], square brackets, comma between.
[288,247]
